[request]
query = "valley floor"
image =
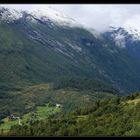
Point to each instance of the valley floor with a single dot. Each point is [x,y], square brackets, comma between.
[107,117]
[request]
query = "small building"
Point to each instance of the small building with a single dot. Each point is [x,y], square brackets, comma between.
[11,117]
[58,105]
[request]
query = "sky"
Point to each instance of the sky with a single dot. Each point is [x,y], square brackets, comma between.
[96,16]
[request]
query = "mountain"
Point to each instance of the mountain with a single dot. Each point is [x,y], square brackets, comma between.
[37,47]
[127,38]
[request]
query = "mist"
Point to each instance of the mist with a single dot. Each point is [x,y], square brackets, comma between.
[97,16]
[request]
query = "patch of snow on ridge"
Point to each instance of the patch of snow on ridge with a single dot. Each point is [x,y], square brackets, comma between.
[120,40]
[44,14]
[135,32]
[9,14]
[118,35]
[56,16]
[75,47]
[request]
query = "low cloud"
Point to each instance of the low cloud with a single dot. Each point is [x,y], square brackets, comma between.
[97,16]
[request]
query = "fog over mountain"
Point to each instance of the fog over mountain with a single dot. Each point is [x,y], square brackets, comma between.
[96,16]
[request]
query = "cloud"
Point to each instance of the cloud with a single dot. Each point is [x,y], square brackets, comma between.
[101,17]
[97,16]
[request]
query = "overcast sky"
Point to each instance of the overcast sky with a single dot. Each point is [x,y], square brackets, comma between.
[96,16]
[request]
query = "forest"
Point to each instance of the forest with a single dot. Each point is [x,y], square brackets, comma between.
[107,117]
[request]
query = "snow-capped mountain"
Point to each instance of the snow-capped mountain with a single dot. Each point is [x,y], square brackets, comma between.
[9,14]
[123,36]
[54,15]
[131,31]
[45,14]
[127,39]
[135,33]
[43,44]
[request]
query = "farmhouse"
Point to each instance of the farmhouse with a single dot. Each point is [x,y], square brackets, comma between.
[12,117]
[58,105]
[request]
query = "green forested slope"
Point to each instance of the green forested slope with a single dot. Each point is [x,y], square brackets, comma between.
[115,117]
[24,100]
[34,53]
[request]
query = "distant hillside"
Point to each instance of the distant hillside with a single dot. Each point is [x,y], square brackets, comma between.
[24,100]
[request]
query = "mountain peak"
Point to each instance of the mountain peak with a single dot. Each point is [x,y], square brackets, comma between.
[9,14]
[12,14]
[54,15]
[132,31]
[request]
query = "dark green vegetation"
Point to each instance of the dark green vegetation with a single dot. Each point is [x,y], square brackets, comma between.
[110,117]
[26,99]
[84,84]
[35,53]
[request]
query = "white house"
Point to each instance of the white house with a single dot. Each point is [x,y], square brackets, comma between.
[58,105]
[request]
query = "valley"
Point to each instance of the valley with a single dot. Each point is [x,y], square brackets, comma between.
[60,78]
[109,117]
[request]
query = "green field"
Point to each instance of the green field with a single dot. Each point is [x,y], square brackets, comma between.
[42,112]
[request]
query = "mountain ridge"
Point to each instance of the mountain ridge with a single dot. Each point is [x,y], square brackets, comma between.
[47,51]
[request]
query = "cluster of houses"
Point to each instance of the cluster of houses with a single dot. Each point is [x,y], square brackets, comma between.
[12,117]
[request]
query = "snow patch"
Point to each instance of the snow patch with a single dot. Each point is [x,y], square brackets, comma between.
[133,31]
[44,14]
[117,34]
[56,16]
[120,40]
[75,47]
[9,14]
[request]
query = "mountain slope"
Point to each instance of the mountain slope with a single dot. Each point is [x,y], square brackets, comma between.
[69,92]
[42,50]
